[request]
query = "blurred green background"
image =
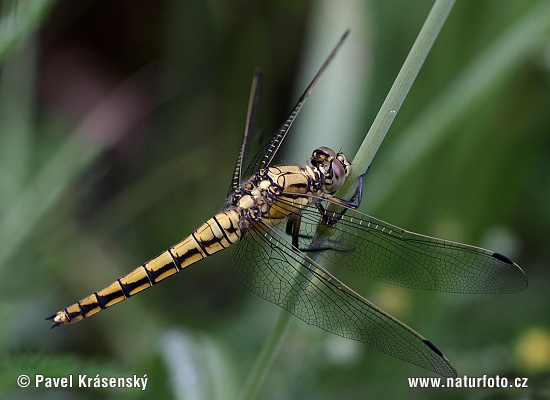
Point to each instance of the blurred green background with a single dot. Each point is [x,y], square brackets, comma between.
[119,126]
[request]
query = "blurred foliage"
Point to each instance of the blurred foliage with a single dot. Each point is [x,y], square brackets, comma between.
[119,125]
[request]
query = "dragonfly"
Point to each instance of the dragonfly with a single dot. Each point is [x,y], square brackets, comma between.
[278,216]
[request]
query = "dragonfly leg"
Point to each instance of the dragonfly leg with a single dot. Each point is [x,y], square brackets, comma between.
[293,228]
[359,191]
[326,247]
[331,218]
[354,202]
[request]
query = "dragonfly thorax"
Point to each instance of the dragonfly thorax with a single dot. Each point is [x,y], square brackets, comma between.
[274,193]
[271,195]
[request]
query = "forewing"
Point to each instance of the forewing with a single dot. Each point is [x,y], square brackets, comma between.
[267,264]
[385,252]
[254,102]
[265,155]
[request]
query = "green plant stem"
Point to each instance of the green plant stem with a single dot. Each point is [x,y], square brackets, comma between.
[266,356]
[368,149]
[481,79]
[399,90]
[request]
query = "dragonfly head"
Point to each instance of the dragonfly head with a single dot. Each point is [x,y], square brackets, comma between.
[334,167]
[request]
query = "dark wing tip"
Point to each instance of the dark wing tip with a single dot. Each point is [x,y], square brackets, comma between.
[520,281]
[503,258]
[51,316]
[447,370]
[432,346]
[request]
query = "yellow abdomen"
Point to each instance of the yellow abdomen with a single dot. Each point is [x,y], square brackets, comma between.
[216,234]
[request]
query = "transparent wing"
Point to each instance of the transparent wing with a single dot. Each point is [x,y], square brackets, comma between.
[254,102]
[385,252]
[267,264]
[265,155]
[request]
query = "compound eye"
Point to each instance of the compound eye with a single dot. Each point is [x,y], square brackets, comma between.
[347,166]
[339,174]
[322,154]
